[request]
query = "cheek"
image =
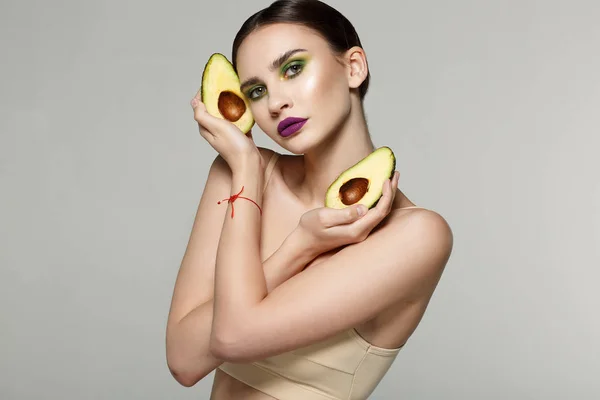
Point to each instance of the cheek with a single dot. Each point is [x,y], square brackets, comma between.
[260,112]
[262,117]
[312,85]
[321,90]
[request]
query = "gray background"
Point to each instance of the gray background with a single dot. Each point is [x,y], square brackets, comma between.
[492,108]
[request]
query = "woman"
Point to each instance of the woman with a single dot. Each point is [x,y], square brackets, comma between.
[289,299]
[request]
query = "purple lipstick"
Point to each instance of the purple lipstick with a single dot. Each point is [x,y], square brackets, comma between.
[290,126]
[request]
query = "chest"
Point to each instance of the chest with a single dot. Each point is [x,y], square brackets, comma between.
[281,214]
[277,224]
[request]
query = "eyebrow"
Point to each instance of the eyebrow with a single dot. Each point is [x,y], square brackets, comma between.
[278,62]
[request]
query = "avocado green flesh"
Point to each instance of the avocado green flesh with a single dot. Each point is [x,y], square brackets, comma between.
[220,93]
[363,182]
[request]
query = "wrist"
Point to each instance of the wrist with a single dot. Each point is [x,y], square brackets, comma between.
[305,250]
[246,185]
[246,171]
[246,163]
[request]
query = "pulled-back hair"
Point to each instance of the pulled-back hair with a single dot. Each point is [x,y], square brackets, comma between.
[322,18]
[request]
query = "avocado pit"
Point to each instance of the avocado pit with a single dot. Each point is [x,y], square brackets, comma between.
[353,190]
[231,106]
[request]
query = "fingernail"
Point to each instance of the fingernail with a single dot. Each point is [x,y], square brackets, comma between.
[194,102]
[362,210]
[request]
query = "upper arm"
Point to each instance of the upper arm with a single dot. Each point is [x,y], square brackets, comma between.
[195,280]
[401,262]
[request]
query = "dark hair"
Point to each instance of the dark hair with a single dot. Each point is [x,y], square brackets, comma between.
[324,19]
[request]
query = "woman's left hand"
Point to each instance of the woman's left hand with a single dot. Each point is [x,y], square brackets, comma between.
[226,138]
[324,229]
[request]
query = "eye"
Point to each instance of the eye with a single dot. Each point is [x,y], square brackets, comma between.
[293,69]
[256,93]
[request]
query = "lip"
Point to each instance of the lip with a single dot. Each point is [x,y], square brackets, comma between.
[290,125]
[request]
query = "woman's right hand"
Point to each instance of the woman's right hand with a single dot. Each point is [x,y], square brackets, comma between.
[323,229]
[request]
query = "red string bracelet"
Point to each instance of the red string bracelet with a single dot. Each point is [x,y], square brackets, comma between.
[234,197]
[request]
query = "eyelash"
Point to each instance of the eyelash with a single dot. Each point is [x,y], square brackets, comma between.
[288,67]
[294,64]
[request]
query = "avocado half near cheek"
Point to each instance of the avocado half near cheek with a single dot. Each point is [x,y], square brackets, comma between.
[220,93]
[363,182]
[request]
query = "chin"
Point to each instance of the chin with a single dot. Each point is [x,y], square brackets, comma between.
[297,148]
[302,142]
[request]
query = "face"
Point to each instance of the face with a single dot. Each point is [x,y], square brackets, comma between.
[288,71]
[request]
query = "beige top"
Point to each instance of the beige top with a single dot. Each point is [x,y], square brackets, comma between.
[344,367]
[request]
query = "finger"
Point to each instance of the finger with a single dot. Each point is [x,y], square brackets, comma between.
[394,187]
[197,106]
[376,214]
[334,217]
[195,101]
[204,118]
[392,184]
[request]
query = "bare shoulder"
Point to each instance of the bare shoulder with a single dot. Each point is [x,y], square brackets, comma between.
[420,237]
[421,234]
[420,218]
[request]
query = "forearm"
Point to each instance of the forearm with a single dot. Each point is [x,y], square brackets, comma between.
[239,277]
[188,342]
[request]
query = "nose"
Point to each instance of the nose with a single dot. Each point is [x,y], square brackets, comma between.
[278,101]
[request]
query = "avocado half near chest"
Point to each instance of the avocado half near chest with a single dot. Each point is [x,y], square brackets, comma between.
[363,182]
[220,93]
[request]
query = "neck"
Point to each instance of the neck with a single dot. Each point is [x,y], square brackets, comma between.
[324,164]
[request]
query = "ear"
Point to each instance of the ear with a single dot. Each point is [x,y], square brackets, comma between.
[356,60]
